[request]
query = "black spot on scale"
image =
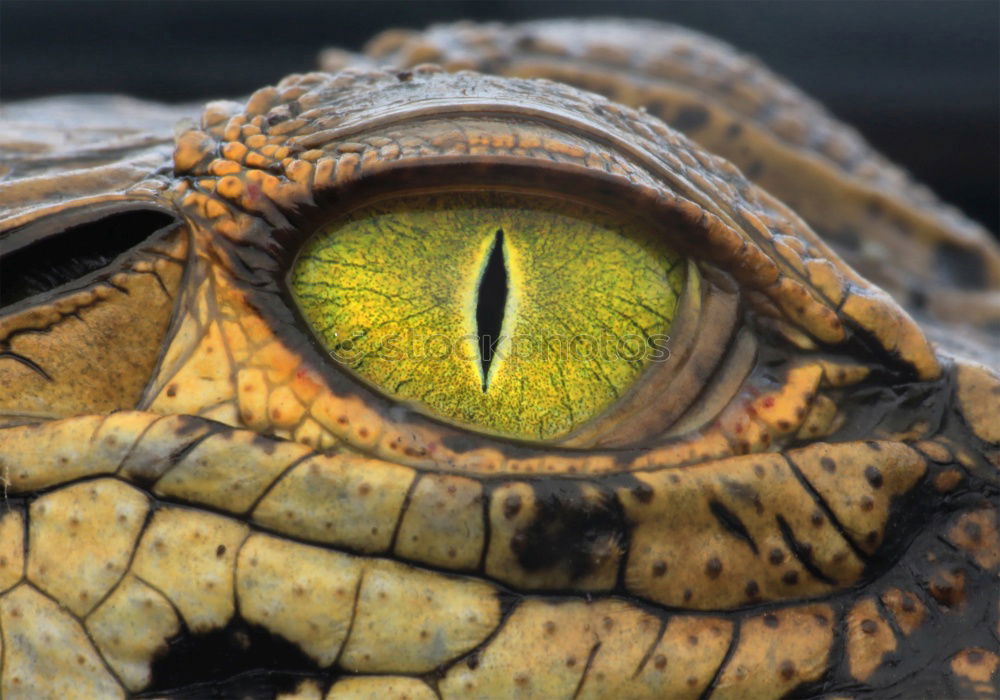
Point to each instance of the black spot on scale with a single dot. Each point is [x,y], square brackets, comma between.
[570,530]
[690,118]
[240,660]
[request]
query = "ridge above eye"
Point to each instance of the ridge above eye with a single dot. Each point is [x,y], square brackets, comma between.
[524,316]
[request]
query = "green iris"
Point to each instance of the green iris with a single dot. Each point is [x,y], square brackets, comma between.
[519,315]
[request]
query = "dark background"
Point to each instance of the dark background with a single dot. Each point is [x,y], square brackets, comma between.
[921,80]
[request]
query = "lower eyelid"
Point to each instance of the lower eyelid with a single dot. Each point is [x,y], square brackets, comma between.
[699,340]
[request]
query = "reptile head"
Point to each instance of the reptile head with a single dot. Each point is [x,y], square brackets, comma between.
[728,465]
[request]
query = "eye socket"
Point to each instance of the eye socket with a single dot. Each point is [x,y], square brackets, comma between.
[69,247]
[520,315]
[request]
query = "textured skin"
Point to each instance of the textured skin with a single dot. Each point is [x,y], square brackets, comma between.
[222,509]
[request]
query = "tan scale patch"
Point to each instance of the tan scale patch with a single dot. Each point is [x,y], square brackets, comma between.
[229,470]
[412,621]
[869,639]
[40,455]
[681,665]
[46,653]
[947,586]
[380,688]
[53,452]
[978,666]
[81,538]
[35,456]
[906,608]
[443,524]
[776,652]
[979,397]
[821,420]
[893,328]
[305,594]
[858,481]
[541,652]
[625,633]
[189,556]
[841,373]
[976,533]
[154,451]
[11,548]
[203,380]
[130,628]
[342,499]
[683,554]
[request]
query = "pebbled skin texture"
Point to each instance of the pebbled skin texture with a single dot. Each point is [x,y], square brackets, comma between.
[198,501]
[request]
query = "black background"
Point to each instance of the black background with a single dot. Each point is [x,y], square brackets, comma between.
[921,80]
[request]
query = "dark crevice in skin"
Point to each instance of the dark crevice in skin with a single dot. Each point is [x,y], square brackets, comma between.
[186,297]
[831,677]
[35,367]
[586,668]
[652,647]
[876,408]
[802,552]
[277,480]
[150,512]
[485,498]
[734,641]
[407,500]
[825,508]
[509,602]
[732,523]
[890,620]
[354,616]
[491,298]
[70,255]
[139,479]
[86,633]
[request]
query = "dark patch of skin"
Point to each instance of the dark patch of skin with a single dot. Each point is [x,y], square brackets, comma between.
[801,551]
[690,118]
[240,660]
[265,444]
[888,408]
[569,529]
[754,169]
[960,266]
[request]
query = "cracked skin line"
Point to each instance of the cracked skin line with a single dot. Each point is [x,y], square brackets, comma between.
[392,292]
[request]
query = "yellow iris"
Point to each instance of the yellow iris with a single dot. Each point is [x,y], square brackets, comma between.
[519,315]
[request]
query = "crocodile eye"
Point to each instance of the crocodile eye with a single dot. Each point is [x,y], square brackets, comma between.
[520,315]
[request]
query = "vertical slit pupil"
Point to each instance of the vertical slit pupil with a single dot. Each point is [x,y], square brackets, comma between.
[491,298]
